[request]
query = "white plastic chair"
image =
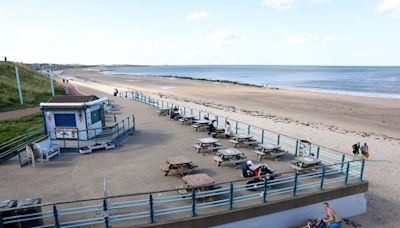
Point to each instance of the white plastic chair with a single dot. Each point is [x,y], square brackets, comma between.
[30,155]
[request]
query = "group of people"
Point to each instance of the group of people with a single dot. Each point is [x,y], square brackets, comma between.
[227,129]
[360,150]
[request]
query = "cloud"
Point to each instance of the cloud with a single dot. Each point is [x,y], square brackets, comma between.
[96,35]
[280,5]
[389,5]
[310,38]
[226,37]
[197,15]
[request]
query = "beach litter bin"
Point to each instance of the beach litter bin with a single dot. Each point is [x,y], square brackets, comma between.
[7,205]
[29,206]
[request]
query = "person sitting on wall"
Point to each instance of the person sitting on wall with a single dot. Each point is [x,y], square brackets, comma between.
[115,92]
[173,113]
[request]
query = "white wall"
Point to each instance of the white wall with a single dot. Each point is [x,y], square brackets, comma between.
[97,125]
[344,207]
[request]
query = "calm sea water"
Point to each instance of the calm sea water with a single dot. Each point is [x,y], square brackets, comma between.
[353,80]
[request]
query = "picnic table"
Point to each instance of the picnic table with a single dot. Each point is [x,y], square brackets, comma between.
[243,139]
[188,119]
[201,124]
[207,143]
[218,131]
[163,112]
[200,182]
[303,163]
[181,164]
[271,150]
[231,155]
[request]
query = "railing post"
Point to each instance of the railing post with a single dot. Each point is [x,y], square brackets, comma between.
[105,210]
[248,129]
[151,203]
[95,136]
[262,136]
[236,128]
[347,173]
[64,138]
[128,123]
[1,221]
[362,169]
[191,111]
[296,150]
[123,125]
[231,197]
[321,187]
[216,117]
[318,151]
[184,111]
[199,115]
[278,140]
[193,202]
[265,187]
[295,184]
[77,135]
[342,165]
[55,214]
[162,103]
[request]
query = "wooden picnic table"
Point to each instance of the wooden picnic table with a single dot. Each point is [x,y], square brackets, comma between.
[270,149]
[243,139]
[232,155]
[181,164]
[196,180]
[210,143]
[304,162]
[201,124]
[188,119]
[163,111]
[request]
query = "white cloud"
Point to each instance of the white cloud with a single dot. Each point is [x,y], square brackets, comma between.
[197,15]
[96,35]
[390,5]
[310,38]
[226,37]
[280,5]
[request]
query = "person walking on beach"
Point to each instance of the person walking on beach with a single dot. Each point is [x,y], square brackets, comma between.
[356,150]
[228,130]
[364,150]
[332,220]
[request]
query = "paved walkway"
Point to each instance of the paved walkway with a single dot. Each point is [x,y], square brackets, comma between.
[72,90]
[18,113]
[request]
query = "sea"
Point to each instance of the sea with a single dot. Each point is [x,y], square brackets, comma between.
[367,81]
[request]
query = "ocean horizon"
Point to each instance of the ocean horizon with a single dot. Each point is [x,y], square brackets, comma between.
[369,81]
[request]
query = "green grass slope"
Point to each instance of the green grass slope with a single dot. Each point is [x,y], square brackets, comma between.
[35,87]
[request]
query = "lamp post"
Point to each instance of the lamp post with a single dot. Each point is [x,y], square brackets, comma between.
[21,100]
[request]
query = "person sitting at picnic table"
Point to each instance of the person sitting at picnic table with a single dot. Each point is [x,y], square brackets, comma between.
[246,170]
[172,112]
[211,127]
[364,150]
[228,130]
[332,220]
[356,150]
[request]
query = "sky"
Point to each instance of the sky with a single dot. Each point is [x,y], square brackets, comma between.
[178,32]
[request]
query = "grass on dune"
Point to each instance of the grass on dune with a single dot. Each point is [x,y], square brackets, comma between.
[35,87]
[10,129]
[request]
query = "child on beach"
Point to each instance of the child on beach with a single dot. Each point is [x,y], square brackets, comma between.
[228,130]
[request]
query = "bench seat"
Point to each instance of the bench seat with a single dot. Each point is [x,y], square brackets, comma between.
[218,159]
[197,147]
[165,169]
[181,190]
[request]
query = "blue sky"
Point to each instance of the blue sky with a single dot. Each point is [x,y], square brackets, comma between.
[297,32]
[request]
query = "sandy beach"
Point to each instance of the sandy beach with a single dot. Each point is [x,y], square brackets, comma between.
[331,120]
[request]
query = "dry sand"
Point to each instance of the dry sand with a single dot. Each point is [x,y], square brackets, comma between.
[334,121]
